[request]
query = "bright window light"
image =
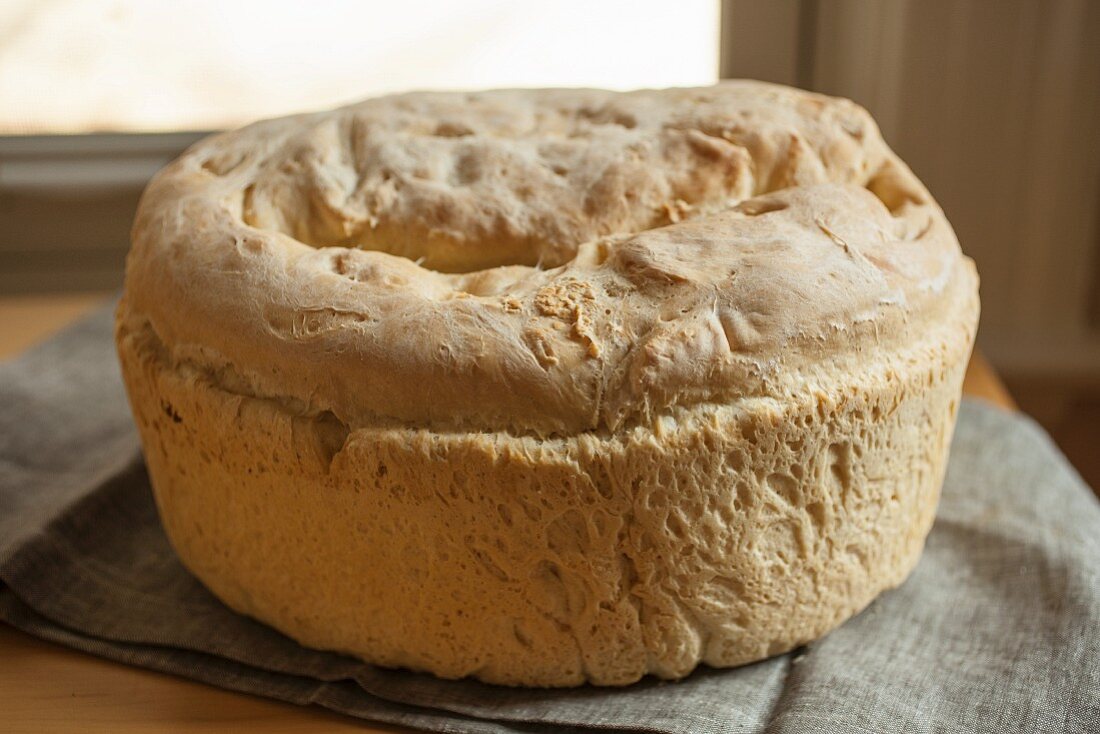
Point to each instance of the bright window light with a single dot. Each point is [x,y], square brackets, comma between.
[75,66]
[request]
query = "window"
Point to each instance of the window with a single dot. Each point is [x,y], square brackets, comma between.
[79,66]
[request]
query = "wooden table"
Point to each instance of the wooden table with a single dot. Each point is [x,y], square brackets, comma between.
[47,688]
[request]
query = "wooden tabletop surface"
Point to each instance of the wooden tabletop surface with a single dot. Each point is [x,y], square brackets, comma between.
[48,688]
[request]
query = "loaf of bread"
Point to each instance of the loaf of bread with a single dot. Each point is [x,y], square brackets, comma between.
[547,387]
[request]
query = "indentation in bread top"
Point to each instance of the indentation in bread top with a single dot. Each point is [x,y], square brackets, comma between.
[547,262]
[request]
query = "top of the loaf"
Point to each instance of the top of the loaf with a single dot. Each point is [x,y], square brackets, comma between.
[547,261]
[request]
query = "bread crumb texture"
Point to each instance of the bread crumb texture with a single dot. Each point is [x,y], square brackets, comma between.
[547,387]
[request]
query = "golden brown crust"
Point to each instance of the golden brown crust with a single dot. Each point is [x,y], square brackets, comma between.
[697,409]
[720,534]
[696,246]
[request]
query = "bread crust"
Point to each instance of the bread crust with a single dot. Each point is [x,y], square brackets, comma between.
[696,409]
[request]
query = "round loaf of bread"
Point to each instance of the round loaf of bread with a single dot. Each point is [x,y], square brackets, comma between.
[547,387]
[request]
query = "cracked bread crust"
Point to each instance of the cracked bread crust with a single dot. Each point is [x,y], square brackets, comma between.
[721,534]
[300,253]
[548,387]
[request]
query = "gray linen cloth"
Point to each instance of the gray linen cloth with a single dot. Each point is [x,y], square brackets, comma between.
[998,629]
